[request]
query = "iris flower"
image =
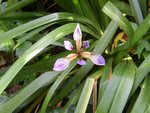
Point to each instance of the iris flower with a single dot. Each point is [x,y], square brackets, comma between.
[62,63]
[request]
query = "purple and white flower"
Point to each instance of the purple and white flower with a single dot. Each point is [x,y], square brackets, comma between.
[81,62]
[68,45]
[77,35]
[86,44]
[62,63]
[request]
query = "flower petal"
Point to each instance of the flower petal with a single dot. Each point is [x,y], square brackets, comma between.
[97,59]
[86,54]
[61,64]
[77,35]
[86,44]
[72,56]
[81,62]
[68,45]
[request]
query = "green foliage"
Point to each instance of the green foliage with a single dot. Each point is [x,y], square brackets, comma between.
[22,48]
[35,41]
[19,98]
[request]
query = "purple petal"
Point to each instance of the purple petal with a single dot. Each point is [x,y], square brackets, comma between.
[61,64]
[81,62]
[97,59]
[77,35]
[68,45]
[86,44]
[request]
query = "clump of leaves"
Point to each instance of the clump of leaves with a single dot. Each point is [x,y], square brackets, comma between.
[107,89]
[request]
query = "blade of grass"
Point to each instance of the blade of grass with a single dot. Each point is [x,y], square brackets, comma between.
[104,20]
[87,8]
[123,7]
[29,35]
[86,92]
[38,67]
[19,98]
[118,89]
[16,6]
[147,109]
[85,96]
[55,85]
[124,89]
[134,4]
[11,2]
[36,102]
[106,73]
[143,99]
[113,12]
[23,15]
[65,4]
[143,5]
[52,18]
[141,73]
[110,91]
[77,7]
[141,30]
[74,98]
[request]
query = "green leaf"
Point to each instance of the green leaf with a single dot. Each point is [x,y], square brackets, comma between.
[113,84]
[11,2]
[7,45]
[74,99]
[65,4]
[143,99]
[144,44]
[3,27]
[105,77]
[118,89]
[141,73]
[87,8]
[23,15]
[104,20]
[34,50]
[25,93]
[77,6]
[141,30]
[55,85]
[147,109]
[143,5]
[113,12]
[124,89]
[30,35]
[85,96]
[22,48]
[16,6]
[123,7]
[40,66]
[134,4]
[52,18]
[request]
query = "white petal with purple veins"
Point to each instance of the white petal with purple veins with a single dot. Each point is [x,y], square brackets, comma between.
[77,35]
[61,64]
[81,62]
[86,44]
[68,45]
[97,59]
